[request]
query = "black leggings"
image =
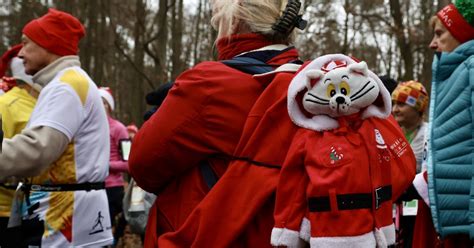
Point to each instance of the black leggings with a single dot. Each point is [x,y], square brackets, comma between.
[115,198]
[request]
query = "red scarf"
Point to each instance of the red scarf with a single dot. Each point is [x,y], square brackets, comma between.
[230,46]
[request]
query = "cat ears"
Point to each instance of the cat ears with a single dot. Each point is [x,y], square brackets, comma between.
[359,68]
[314,75]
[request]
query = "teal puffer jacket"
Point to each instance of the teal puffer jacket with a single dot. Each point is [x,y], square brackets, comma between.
[451,142]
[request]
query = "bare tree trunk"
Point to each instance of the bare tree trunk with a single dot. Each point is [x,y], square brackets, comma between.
[403,43]
[345,45]
[197,32]
[136,84]
[177,39]
[162,39]
[442,3]
[427,11]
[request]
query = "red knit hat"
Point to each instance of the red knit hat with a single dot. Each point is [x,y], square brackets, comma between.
[57,32]
[455,22]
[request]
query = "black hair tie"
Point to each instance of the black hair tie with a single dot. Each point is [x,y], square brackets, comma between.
[290,18]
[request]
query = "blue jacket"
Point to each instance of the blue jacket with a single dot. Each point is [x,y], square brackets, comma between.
[450,153]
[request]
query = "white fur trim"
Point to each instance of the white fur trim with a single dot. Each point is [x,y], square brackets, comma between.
[380,238]
[286,237]
[360,241]
[422,187]
[305,230]
[389,234]
[108,98]
[383,111]
[298,84]
[324,122]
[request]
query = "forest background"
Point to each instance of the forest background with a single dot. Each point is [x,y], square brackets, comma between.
[134,46]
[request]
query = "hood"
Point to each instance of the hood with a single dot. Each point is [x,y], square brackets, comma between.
[381,108]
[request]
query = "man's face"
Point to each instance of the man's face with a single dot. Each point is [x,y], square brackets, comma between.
[405,115]
[34,57]
[442,40]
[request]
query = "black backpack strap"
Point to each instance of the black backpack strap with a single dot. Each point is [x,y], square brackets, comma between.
[248,65]
[209,176]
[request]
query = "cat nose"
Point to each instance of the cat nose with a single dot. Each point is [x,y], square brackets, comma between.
[340,100]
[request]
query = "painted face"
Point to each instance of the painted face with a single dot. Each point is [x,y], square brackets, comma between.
[34,56]
[405,115]
[442,40]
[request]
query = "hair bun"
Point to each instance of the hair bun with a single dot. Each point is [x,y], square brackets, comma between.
[290,18]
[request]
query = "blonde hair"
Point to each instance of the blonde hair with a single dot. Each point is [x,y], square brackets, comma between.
[433,20]
[255,16]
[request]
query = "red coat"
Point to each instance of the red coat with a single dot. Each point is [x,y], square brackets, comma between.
[341,162]
[202,118]
[342,172]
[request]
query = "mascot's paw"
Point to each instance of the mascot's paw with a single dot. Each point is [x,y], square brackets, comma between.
[305,230]
[286,237]
[380,239]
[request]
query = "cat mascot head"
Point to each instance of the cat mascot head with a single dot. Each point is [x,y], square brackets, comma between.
[333,86]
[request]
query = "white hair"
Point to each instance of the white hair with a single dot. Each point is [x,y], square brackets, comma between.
[257,16]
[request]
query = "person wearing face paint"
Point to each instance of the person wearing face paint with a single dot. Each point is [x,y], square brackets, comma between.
[447,185]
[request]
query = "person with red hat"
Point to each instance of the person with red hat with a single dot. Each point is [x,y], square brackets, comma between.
[63,153]
[16,106]
[446,186]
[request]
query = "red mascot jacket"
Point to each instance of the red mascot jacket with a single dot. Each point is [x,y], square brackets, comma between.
[203,118]
[341,174]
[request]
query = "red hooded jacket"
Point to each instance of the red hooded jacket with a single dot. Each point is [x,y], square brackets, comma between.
[342,171]
[202,118]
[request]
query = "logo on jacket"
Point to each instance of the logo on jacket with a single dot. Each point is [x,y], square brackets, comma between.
[98,227]
[334,155]
[379,139]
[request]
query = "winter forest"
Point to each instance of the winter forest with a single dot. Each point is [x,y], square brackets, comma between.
[133,46]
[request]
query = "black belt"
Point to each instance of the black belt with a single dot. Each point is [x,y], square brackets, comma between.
[8,186]
[351,201]
[63,187]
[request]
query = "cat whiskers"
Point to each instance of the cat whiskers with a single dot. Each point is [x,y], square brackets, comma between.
[318,100]
[358,94]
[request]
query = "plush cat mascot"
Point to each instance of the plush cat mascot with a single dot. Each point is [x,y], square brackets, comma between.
[347,162]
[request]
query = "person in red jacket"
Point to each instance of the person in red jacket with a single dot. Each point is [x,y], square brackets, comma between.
[202,119]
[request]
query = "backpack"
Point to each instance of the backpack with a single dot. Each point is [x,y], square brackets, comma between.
[136,206]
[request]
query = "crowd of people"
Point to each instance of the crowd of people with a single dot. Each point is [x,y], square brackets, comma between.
[257,149]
